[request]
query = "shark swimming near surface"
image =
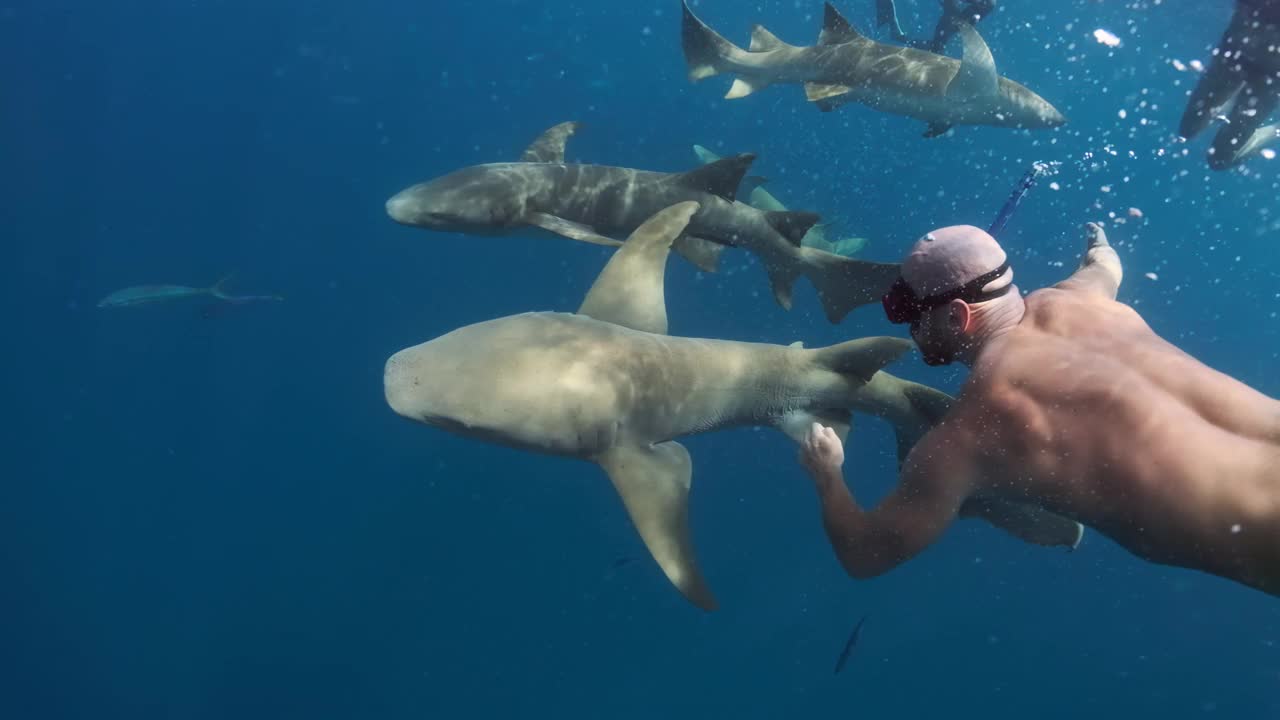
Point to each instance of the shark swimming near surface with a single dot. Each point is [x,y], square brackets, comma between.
[608,385]
[600,204]
[846,66]
[762,199]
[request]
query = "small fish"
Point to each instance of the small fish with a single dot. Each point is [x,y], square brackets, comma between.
[849,645]
[148,294]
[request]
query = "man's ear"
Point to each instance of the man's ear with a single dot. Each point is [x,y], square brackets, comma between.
[960,316]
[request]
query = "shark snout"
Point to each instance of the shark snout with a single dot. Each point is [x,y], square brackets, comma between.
[401,208]
[399,385]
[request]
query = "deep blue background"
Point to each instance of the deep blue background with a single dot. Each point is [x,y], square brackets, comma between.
[219,517]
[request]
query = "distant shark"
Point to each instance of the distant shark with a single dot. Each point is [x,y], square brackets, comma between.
[608,385]
[1239,87]
[762,199]
[153,294]
[846,66]
[599,204]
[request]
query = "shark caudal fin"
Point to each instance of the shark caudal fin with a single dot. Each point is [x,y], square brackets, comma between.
[219,289]
[844,283]
[707,53]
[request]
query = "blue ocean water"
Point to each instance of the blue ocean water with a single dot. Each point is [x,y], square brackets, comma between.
[215,515]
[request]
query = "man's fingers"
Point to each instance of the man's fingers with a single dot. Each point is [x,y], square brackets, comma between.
[1094,235]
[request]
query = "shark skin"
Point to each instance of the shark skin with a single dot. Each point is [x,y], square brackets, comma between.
[608,385]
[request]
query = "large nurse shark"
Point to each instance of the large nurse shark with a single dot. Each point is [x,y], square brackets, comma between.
[601,204]
[847,66]
[608,385]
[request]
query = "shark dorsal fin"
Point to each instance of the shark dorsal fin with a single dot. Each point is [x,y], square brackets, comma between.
[630,289]
[836,29]
[977,74]
[721,177]
[549,147]
[762,40]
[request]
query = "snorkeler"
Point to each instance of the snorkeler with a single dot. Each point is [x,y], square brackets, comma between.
[954,13]
[1073,403]
[1241,86]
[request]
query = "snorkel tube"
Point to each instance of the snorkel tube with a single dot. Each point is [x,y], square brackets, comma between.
[1019,191]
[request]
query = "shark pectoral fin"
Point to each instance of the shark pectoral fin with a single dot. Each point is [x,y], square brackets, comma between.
[549,147]
[836,29]
[1029,523]
[817,92]
[936,129]
[796,423]
[653,482]
[629,291]
[569,229]
[976,77]
[721,177]
[703,253]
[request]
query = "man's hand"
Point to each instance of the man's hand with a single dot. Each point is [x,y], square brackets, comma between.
[1094,236]
[822,453]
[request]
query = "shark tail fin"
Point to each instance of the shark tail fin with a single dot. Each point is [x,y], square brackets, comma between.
[705,50]
[846,283]
[927,406]
[219,289]
[707,53]
[862,358]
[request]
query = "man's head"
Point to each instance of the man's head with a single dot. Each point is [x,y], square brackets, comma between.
[955,292]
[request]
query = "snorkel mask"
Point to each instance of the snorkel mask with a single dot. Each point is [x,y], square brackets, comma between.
[902,305]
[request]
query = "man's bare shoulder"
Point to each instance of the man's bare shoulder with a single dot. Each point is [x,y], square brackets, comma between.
[1058,310]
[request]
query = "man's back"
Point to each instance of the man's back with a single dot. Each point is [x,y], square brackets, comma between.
[1085,410]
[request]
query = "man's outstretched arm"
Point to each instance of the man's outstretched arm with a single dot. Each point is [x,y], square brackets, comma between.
[1100,271]
[869,543]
